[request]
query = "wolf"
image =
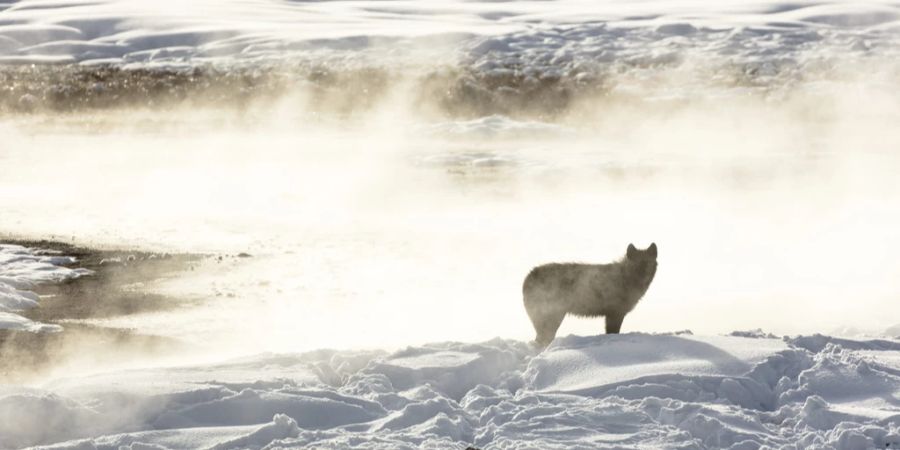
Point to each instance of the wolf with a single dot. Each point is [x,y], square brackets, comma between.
[553,290]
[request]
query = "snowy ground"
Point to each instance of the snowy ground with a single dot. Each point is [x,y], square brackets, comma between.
[744,391]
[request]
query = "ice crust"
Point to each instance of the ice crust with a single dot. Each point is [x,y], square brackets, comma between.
[656,391]
[21,269]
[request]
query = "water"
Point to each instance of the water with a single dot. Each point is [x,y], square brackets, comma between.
[392,229]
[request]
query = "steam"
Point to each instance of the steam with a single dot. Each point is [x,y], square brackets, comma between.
[391,227]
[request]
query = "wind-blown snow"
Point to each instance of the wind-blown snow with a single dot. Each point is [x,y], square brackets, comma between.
[743,391]
[21,269]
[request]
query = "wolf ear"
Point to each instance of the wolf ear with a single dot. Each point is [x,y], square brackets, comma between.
[652,249]
[631,252]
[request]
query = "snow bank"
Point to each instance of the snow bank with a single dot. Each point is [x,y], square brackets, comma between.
[21,269]
[673,391]
[555,35]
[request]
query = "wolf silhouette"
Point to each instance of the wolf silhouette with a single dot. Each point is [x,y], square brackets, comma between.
[612,290]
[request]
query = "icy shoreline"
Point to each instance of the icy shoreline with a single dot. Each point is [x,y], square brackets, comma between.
[743,391]
[21,269]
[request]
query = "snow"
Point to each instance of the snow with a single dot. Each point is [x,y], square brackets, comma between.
[21,269]
[564,35]
[672,390]
[585,367]
[11,321]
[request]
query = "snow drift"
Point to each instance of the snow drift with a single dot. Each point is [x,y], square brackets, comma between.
[742,391]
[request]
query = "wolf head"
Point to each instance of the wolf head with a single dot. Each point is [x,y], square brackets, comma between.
[636,255]
[642,262]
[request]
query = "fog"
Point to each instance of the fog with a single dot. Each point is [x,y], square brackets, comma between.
[394,229]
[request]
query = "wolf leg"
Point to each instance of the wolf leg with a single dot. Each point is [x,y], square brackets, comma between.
[546,327]
[614,323]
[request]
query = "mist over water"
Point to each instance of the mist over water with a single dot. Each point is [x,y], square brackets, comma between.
[394,228]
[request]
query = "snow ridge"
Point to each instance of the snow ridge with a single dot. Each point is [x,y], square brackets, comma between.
[673,391]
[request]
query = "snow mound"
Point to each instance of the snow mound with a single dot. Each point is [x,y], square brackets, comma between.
[674,391]
[21,269]
[580,365]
